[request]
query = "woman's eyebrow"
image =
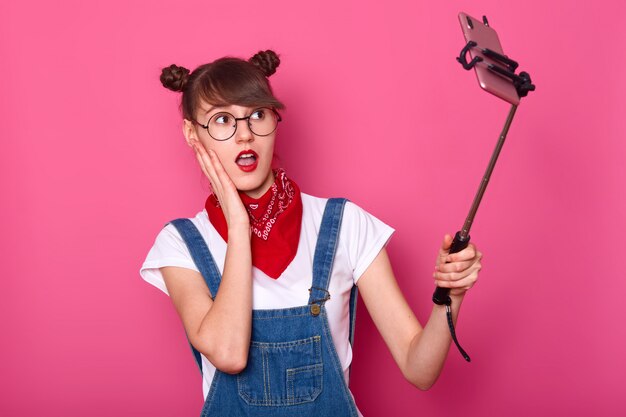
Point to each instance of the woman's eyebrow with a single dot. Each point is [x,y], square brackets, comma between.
[210,109]
[215,107]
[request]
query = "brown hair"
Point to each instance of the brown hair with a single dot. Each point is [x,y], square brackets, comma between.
[226,81]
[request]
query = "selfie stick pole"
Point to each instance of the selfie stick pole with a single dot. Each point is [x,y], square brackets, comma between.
[461,239]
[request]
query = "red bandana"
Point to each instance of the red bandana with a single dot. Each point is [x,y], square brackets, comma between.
[275,220]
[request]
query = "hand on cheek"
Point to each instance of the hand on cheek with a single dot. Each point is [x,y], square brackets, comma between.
[223,187]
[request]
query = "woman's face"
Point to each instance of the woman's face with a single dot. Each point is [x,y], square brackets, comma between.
[246,157]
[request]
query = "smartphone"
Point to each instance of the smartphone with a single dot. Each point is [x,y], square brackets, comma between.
[487,38]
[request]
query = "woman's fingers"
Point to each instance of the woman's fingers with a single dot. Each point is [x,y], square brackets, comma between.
[466,254]
[457,276]
[227,192]
[445,256]
[458,266]
[465,281]
[220,172]
[208,168]
[460,286]
[458,269]
[445,247]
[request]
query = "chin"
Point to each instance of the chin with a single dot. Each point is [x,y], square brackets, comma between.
[249,184]
[252,183]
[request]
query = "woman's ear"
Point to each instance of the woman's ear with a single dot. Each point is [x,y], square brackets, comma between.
[190,132]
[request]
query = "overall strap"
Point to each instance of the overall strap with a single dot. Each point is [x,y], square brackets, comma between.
[200,253]
[204,261]
[353,298]
[325,250]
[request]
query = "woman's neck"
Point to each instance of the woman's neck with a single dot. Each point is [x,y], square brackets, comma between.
[263,188]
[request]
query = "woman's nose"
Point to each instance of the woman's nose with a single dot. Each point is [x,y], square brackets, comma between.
[243,132]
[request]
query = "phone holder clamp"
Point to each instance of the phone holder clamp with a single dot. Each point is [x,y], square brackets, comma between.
[521,81]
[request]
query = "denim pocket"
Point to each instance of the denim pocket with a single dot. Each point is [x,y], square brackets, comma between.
[285,373]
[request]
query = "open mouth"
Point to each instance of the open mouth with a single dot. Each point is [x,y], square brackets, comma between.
[247,160]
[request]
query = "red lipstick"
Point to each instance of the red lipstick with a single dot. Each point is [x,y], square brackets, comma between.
[247,160]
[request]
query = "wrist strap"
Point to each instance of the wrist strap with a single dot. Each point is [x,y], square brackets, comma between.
[451,327]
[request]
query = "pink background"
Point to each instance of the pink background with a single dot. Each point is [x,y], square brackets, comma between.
[93,164]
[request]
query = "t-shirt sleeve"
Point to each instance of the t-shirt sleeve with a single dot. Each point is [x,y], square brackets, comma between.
[169,249]
[365,237]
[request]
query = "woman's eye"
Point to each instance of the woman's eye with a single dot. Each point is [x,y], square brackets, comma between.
[258,114]
[222,119]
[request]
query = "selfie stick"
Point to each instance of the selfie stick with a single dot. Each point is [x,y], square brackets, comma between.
[523,86]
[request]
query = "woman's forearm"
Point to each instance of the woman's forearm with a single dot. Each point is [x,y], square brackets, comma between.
[227,325]
[429,348]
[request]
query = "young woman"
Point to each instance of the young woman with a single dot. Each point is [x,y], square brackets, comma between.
[264,276]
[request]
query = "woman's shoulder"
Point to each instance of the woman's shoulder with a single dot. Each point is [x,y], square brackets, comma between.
[316,205]
[169,249]
[169,242]
[311,200]
[200,221]
[362,235]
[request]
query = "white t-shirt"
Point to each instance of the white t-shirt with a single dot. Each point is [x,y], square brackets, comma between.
[361,238]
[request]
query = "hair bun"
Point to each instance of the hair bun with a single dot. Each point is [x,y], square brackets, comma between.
[266,61]
[174,77]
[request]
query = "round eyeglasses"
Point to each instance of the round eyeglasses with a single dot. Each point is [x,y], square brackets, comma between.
[223,125]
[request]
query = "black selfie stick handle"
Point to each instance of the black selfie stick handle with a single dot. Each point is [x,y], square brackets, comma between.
[442,295]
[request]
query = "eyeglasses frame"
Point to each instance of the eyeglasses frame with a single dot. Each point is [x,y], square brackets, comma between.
[237,119]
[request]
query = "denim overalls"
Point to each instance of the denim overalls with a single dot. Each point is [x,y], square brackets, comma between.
[293,368]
